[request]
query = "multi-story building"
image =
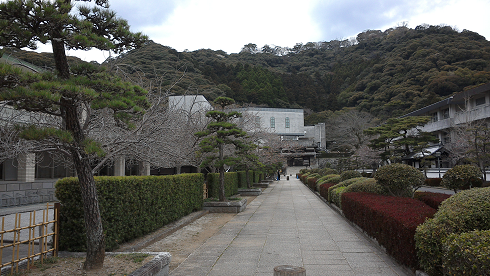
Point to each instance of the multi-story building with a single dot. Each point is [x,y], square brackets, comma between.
[467,107]
[300,142]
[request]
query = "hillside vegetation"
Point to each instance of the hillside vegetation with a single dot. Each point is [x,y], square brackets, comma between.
[385,73]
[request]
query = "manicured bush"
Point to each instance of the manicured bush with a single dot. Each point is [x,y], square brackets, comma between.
[368,185]
[331,178]
[462,176]
[130,206]
[323,189]
[344,183]
[399,179]
[242,179]
[327,171]
[467,253]
[433,182]
[391,220]
[231,184]
[434,200]
[311,180]
[463,212]
[335,195]
[349,174]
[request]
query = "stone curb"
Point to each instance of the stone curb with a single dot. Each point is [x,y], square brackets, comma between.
[158,266]
[162,232]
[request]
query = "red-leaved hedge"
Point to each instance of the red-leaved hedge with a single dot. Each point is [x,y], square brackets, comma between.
[391,220]
[431,199]
[312,182]
[324,189]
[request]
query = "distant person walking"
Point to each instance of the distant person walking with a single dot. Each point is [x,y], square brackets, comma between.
[279,175]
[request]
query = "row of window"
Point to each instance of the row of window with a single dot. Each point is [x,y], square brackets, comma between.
[273,122]
[444,114]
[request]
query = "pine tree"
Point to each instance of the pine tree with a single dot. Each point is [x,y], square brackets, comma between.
[219,133]
[66,93]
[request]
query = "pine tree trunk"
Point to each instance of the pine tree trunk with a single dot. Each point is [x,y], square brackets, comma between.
[93,220]
[221,175]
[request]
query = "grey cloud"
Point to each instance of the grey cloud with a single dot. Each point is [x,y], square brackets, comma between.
[140,14]
[340,19]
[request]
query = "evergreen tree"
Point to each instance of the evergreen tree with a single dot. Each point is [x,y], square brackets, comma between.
[68,92]
[219,133]
[399,136]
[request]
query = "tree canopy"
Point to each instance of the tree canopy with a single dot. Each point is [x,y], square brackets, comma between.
[65,96]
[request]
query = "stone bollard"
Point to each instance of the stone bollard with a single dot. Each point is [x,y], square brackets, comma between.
[289,270]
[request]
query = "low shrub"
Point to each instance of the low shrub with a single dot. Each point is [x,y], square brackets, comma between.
[327,171]
[335,195]
[311,180]
[349,174]
[434,200]
[368,185]
[433,182]
[323,189]
[130,206]
[399,179]
[462,176]
[231,184]
[391,220]
[467,253]
[344,183]
[463,212]
[331,178]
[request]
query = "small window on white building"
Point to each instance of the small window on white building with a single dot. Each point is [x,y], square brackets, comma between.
[480,101]
[287,122]
[257,121]
[273,122]
[445,113]
[434,117]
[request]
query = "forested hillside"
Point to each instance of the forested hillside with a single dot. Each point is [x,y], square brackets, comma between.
[385,73]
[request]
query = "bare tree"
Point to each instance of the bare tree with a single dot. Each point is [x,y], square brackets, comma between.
[347,127]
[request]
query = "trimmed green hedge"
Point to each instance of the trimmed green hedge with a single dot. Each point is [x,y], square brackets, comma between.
[465,211]
[467,253]
[231,184]
[131,206]
[242,179]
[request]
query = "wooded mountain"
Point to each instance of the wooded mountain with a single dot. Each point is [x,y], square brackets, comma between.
[386,73]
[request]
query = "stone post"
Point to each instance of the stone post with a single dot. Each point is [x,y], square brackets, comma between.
[26,170]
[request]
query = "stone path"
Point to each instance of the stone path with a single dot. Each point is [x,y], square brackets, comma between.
[288,225]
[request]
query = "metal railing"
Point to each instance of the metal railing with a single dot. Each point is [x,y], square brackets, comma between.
[19,244]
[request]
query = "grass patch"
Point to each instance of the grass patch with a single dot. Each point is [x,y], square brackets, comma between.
[134,257]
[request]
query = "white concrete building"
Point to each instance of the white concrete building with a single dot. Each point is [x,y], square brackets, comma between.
[469,106]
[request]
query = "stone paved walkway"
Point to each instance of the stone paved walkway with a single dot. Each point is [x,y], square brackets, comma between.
[288,225]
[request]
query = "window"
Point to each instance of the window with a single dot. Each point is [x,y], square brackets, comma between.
[480,101]
[445,113]
[434,117]
[257,121]
[287,122]
[273,122]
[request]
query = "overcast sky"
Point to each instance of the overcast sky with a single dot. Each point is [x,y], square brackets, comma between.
[228,25]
